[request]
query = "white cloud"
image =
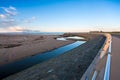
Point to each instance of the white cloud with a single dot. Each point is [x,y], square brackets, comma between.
[33,18]
[27,21]
[9,23]
[13,29]
[30,20]
[11,11]
[12,20]
[7,17]
[12,8]
[2,16]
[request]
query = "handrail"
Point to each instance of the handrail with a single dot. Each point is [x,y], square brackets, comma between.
[107,68]
[94,76]
[109,50]
[86,75]
[106,49]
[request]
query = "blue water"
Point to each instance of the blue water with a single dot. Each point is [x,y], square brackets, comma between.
[30,61]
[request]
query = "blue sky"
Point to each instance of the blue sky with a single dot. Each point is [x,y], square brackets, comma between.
[60,15]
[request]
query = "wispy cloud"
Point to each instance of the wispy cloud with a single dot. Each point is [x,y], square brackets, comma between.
[7,16]
[2,16]
[14,29]
[12,8]
[8,21]
[10,11]
[33,18]
[30,20]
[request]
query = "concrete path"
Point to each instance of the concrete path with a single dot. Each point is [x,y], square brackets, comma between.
[115,59]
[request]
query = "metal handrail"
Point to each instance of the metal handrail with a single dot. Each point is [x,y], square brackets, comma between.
[90,69]
[107,49]
[107,68]
[94,75]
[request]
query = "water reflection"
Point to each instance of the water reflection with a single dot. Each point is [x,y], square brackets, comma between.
[62,39]
[73,38]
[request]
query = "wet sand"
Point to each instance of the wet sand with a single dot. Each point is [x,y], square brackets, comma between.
[15,47]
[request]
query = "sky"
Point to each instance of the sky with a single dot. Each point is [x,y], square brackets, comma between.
[59,15]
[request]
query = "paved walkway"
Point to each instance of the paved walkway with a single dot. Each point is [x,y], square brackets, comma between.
[115,59]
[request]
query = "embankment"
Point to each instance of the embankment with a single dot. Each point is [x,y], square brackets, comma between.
[69,66]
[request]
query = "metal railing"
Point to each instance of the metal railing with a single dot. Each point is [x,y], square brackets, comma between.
[92,73]
[107,68]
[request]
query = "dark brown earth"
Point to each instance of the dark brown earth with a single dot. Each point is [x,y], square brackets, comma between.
[68,66]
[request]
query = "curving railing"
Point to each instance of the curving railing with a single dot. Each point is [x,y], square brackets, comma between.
[92,72]
[107,68]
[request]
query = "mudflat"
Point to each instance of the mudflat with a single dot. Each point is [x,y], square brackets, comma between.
[15,47]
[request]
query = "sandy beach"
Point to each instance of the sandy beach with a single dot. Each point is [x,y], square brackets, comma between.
[15,47]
